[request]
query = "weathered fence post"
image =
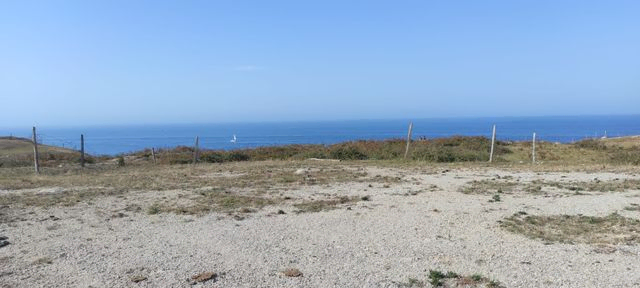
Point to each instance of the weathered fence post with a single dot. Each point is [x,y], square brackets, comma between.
[196,151]
[533,151]
[35,151]
[153,154]
[493,142]
[82,150]
[406,151]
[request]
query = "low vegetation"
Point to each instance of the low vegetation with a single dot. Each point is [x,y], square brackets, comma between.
[453,149]
[234,188]
[452,279]
[633,207]
[324,205]
[16,152]
[611,229]
[497,187]
[489,187]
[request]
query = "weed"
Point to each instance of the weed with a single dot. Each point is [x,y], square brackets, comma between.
[324,205]
[488,187]
[436,278]
[153,209]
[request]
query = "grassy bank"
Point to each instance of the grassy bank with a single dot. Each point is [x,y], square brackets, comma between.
[443,150]
[625,151]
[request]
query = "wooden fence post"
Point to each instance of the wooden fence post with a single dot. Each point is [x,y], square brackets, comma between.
[533,151]
[406,151]
[81,150]
[493,142]
[195,151]
[35,151]
[153,154]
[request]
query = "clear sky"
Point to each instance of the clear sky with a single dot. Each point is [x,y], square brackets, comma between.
[118,62]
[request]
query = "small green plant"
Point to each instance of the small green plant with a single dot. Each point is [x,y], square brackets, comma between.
[451,274]
[436,277]
[496,198]
[476,277]
[153,209]
[493,284]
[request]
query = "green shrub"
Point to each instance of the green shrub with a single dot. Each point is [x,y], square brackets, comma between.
[238,156]
[347,153]
[213,157]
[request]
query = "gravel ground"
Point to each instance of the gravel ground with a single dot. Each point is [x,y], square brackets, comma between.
[382,242]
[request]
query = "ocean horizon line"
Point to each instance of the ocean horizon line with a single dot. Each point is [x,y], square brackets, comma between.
[176,123]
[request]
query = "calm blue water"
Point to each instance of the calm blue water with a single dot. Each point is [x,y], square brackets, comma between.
[112,140]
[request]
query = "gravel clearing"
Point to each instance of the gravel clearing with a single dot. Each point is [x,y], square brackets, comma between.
[396,234]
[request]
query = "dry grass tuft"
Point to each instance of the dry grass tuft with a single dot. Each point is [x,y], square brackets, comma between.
[452,279]
[137,278]
[632,207]
[292,272]
[612,229]
[488,187]
[493,186]
[205,276]
[325,205]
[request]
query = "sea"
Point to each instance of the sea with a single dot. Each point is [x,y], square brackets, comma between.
[114,140]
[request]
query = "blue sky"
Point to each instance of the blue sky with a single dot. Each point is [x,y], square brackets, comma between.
[118,62]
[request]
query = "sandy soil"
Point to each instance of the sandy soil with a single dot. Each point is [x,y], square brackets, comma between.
[404,230]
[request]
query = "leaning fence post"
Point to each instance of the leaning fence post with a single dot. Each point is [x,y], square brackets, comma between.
[533,151]
[406,151]
[35,151]
[82,150]
[195,151]
[493,142]
[153,154]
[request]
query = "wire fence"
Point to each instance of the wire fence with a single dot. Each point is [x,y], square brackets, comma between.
[105,145]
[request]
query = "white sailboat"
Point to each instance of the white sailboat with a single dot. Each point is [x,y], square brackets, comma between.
[234,139]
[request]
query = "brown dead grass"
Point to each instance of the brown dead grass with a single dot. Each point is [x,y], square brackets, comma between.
[493,186]
[203,277]
[18,152]
[632,207]
[292,272]
[612,229]
[229,187]
[325,205]
[488,187]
